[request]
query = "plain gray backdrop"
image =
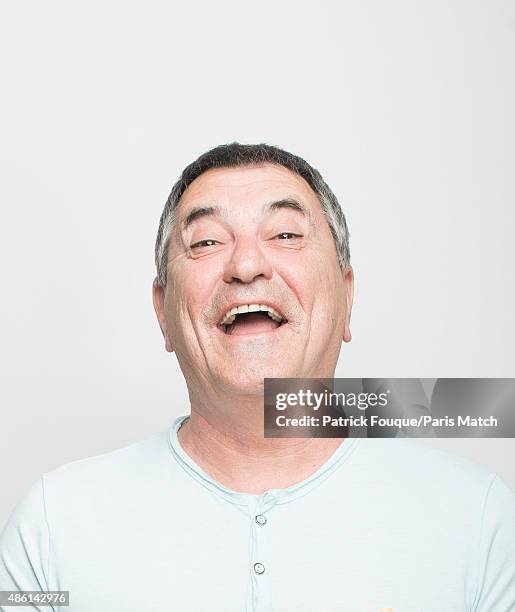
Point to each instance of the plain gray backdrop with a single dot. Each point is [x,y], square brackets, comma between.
[405,107]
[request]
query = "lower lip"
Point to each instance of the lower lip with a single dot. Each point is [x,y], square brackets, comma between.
[255,335]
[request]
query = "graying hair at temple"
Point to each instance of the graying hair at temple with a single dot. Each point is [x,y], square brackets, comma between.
[236,154]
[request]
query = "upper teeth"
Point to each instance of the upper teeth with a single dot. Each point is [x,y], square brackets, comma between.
[230,315]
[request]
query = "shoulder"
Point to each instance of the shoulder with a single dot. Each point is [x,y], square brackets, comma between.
[111,472]
[414,458]
[438,477]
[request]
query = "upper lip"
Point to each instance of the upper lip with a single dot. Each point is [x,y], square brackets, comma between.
[266,302]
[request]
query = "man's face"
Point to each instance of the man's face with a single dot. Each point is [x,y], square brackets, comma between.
[253,236]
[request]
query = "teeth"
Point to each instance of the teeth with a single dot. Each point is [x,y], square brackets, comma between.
[231,314]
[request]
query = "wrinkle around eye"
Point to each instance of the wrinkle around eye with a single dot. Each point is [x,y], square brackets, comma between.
[199,250]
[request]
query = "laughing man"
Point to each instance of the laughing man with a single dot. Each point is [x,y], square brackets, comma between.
[253,281]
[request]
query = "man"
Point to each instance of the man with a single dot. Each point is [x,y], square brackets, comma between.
[211,516]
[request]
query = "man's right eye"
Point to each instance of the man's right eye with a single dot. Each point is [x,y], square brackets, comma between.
[203,243]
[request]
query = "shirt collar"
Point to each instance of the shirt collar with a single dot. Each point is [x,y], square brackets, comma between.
[258,502]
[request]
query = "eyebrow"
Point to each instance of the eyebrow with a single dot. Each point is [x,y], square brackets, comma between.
[205,211]
[286,203]
[200,211]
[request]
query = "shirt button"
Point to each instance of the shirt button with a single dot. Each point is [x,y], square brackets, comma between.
[260,519]
[259,568]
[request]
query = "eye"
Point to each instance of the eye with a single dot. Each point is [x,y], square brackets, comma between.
[287,236]
[204,243]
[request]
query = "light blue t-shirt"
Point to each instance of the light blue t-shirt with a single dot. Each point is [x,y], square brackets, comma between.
[384,523]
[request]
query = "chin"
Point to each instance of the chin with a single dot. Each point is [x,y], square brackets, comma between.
[251,380]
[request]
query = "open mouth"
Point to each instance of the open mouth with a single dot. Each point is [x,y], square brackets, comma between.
[251,319]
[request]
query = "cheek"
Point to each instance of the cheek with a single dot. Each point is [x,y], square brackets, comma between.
[320,289]
[191,293]
[312,278]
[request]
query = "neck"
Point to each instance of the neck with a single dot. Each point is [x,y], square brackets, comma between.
[225,438]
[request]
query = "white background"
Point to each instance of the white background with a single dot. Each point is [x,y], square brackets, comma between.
[405,107]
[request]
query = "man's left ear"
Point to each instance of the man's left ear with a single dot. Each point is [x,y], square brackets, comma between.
[348,296]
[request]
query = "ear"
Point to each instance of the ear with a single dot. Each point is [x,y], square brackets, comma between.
[348,285]
[158,297]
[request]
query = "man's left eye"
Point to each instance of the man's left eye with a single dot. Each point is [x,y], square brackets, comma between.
[287,235]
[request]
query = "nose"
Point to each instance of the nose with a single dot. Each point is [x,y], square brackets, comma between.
[247,262]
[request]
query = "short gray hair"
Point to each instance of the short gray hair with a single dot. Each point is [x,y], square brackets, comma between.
[236,154]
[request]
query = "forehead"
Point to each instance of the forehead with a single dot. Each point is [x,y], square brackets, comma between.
[249,185]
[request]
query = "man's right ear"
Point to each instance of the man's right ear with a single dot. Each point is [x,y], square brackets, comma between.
[158,297]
